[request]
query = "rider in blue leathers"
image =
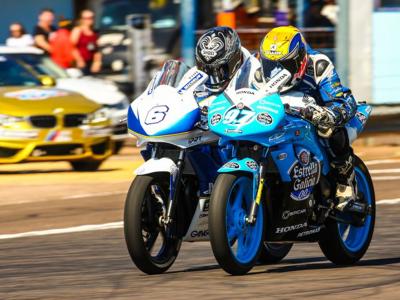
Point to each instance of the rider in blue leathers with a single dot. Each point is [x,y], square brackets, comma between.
[314,74]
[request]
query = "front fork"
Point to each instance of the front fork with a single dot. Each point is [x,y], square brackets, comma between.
[175,184]
[251,219]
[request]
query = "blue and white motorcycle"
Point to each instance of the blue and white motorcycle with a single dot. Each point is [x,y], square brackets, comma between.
[164,204]
[277,188]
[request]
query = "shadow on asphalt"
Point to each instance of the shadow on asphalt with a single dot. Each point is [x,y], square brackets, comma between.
[301,266]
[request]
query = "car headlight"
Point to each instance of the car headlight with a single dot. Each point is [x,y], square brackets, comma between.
[99,116]
[8,120]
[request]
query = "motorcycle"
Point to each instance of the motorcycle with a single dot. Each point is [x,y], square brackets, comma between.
[164,205]
[278,187]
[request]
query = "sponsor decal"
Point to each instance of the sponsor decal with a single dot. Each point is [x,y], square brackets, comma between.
[361,117]
[278,80]
[264,118]
[288,214]
[209,47]
[35,94]
[309,232]
[245,91]
[276,136]
[305,175]
[199,233]
[231,165]
[191,82]
[282,156]
[194,140]
[252,164]
[215,119]
[233,131]
[290,228]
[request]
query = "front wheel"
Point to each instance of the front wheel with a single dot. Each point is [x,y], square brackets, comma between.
[345,244]
[236,244]
[273,253]
[152,247]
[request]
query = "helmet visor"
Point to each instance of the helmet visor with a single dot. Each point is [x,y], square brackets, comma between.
[217,76]
[270,68]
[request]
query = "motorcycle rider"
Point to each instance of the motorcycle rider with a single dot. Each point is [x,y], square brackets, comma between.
[313,74]
[219,54]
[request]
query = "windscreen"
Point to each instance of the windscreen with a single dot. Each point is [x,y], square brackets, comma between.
[14,74]
[40,64]
[171,73]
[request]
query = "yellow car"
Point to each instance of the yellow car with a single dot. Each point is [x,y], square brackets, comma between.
[40,123]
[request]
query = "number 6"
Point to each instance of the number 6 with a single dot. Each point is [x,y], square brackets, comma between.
[156,114]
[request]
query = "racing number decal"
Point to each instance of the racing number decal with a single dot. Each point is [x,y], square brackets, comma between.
[156,114]
[238,116]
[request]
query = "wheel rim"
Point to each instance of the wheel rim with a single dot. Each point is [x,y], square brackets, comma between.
[154,236]
[244,239]
[354,237]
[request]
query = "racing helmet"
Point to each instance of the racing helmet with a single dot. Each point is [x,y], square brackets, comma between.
[284,48]
[219,55]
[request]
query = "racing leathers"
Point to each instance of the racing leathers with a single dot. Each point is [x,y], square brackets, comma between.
[332,106]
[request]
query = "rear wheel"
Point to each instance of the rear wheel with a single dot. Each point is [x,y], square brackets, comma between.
[85,166]
[272,253]
[152,246]
[236,244]
[345,244]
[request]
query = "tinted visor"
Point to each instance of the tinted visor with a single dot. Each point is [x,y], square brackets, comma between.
[270,68]
[217,75]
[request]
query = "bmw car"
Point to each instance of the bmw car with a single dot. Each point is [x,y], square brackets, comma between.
[39,123]
[101,91]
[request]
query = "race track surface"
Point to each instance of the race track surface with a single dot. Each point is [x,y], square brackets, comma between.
[96,264]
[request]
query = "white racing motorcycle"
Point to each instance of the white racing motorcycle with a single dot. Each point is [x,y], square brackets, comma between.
[167,202]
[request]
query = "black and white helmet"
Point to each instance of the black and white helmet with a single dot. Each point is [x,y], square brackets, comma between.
[219,55]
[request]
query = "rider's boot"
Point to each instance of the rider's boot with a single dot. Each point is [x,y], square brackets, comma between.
[346,186]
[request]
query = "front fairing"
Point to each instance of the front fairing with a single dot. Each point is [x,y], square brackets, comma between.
[245,116]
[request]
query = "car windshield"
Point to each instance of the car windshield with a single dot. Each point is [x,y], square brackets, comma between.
[40,64]
[14,74]
[114,13]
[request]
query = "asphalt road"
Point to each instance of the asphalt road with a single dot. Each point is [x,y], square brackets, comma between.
[96,264]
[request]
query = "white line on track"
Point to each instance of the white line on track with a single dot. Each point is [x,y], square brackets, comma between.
[381,161]
[113,225]
[383,178]
[384,171]
[81,228]
[94,195]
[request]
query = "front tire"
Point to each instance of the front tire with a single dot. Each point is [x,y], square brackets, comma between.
[235,243]
[345,244]
[151,247]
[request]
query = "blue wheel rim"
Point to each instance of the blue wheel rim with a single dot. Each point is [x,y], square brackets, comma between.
[244,239]
[355,237]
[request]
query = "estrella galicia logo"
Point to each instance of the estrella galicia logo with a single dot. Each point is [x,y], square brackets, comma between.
[264,118]
[231,165]
[251,164]
[305,175]
[215,119]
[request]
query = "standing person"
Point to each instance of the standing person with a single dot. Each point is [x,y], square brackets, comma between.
[44,29]
[63,51]
[84,38]
[18,36]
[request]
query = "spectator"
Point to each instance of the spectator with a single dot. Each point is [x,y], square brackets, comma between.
[43,30]
[18,36]
[331,11]
[84,38]
[63,51]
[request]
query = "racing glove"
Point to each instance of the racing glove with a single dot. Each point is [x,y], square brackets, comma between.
[323,119]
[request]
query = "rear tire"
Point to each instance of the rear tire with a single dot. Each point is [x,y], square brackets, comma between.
[346,244]
[142,229]
[272,253]
[85,166]
[227,226]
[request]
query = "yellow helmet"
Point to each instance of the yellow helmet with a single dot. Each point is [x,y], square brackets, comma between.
[284,48]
